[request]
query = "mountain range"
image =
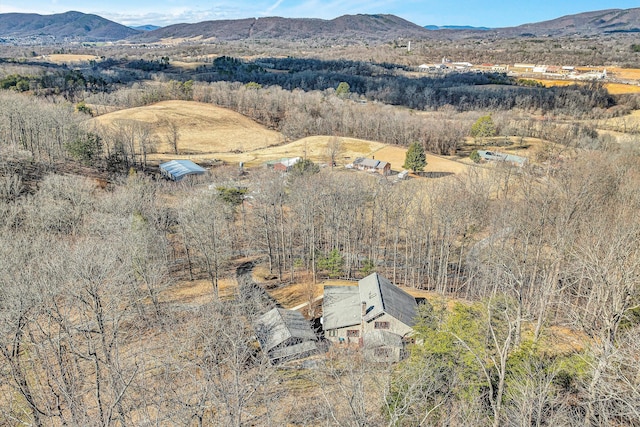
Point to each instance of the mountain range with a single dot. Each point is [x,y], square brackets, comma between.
[77,26]
[68,26]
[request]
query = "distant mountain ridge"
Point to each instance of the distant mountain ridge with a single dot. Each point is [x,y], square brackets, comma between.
[75,26]
[455,27]
[587,23]
[148,27]
[63,26]
[369,27]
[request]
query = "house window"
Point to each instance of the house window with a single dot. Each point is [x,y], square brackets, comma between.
[353,333]
[381,325]
[333,333]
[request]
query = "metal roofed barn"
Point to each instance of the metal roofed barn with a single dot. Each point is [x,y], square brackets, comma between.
[176,170]
[502,157]
[285,335]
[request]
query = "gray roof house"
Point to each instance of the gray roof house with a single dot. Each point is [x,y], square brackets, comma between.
[375,314]
[372,165]
[176,170]
[285,335]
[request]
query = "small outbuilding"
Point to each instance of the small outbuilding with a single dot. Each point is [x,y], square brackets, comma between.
[502,157]
[176,170]
[285,335]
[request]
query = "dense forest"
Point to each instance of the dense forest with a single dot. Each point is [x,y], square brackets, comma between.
[533,272]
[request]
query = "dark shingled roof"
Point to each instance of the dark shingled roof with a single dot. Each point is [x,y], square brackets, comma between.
[381,296]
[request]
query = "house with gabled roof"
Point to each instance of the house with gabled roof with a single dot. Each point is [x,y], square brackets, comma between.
[375,314]
[372,165]
[285,335]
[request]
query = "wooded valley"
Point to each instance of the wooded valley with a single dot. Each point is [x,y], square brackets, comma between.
[127,299]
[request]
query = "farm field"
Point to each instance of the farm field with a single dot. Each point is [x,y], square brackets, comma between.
[208,132]
[62,58]
[613,88]
[203,128]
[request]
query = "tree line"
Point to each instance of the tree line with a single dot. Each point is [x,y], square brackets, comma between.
[87,276]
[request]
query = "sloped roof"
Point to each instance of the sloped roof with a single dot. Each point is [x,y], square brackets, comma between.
[292,350]
[278,325]
[370,163]
[178,169]
[341,307]
[381,165]
[380,295]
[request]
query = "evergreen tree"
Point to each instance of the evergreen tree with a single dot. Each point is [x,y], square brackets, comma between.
[483,128]
[416,159]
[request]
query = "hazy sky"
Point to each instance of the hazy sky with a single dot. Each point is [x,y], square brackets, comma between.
[422,12]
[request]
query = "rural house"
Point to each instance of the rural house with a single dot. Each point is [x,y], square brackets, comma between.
[284,164]
[372,165]
[285,335]
[375,314]
[176,170]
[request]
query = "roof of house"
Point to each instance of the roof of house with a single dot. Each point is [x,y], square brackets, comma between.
[178,169]
[278,325]
[381,165]
[341,307]
[370,163]
[381,296]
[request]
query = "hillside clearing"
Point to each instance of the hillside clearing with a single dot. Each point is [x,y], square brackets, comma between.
[203,128]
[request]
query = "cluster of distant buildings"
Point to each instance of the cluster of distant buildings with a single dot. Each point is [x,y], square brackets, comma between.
[552,71]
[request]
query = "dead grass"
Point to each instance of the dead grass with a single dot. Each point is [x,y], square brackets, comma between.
[435,164]
[613,88]
[296,294]
[186,65]
[551,82]
[629,122]
[624,73]
[620,89]
[205,130]
[67,58]
[314,147]
[197,291]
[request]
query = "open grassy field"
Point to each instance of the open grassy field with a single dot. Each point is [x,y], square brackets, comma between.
[204,129]
[60,58]
[208,132]
[620,89]
[624,73]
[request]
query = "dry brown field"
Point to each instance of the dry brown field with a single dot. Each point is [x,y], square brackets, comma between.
[620,89]
[624,73]
[551,82]
[208,132]
[67,58]
[205,130]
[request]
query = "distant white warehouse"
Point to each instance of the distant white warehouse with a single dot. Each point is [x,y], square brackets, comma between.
[176,170]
